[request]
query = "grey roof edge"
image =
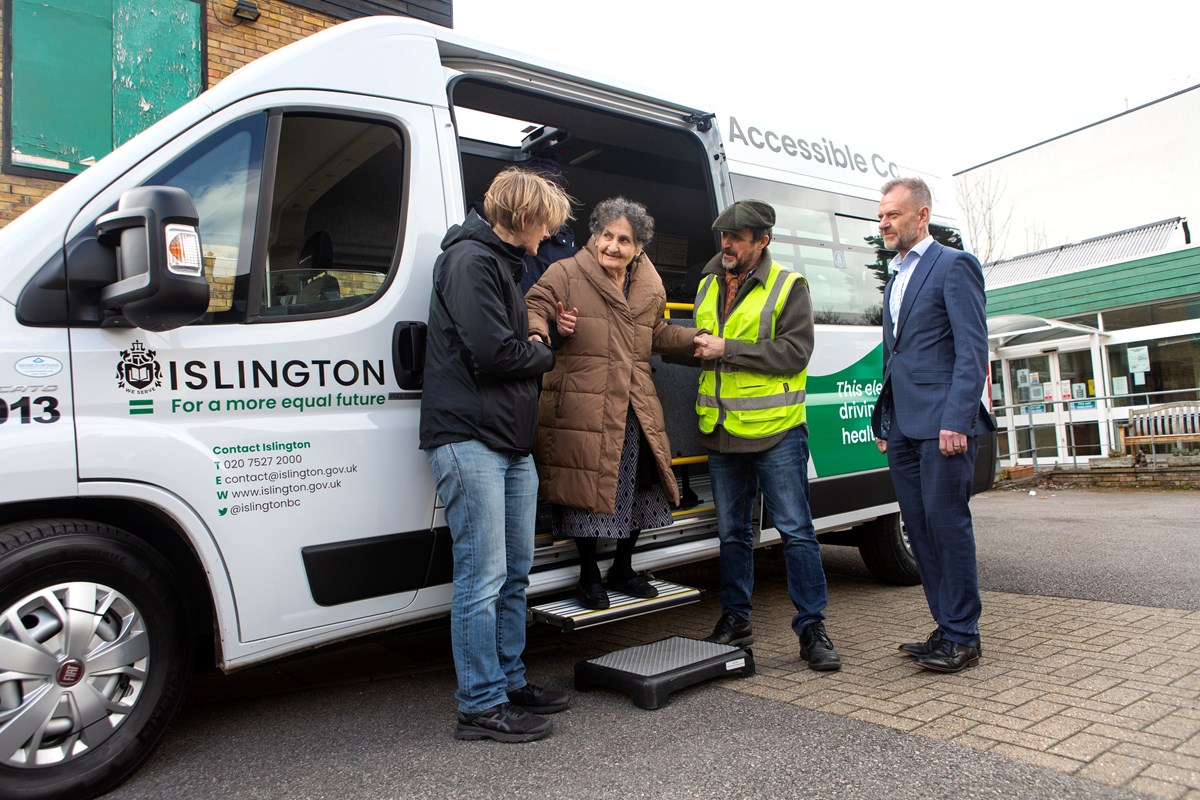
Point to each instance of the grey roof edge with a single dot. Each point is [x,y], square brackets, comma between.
[1157,235]
[1081,128]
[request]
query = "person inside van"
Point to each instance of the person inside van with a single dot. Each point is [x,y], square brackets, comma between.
[478,419]
[602,451]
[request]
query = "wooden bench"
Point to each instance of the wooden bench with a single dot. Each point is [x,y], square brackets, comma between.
[1169,422]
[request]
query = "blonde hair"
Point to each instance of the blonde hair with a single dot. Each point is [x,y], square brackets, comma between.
[519,199]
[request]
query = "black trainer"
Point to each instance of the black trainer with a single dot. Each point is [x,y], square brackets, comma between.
[539,700]
[503,723]
[817,649]
[732,629]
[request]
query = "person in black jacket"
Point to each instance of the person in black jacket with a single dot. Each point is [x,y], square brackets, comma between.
[478,418]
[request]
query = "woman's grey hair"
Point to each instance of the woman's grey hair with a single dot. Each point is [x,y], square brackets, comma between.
[614,208]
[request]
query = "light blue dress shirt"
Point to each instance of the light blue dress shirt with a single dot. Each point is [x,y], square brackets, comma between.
[903,272]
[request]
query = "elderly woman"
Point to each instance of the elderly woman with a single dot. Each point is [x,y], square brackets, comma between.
[601,448]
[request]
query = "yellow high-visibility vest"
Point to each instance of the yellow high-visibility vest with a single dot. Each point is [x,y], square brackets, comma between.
[751,405]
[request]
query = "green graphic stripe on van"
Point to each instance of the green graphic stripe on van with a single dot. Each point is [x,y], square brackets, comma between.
[141,406]
[839,417]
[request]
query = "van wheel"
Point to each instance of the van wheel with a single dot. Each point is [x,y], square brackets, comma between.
[94,656]
[885,550]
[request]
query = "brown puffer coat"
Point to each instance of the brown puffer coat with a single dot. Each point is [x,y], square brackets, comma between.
[600,370]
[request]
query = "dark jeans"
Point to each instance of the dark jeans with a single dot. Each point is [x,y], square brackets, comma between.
[782,474]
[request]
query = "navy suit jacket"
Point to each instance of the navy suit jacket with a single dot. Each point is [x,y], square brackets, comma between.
[935,365]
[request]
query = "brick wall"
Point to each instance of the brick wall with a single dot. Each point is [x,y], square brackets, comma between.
[19,194]
[230,46]
[1098,477]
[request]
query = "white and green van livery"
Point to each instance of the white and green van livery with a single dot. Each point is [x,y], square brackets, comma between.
[212,354]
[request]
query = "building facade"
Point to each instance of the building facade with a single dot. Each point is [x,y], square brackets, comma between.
[1131,169]
[1073,352]
[1103,314]
[82,76]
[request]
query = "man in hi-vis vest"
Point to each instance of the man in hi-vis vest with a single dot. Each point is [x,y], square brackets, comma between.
[751,408]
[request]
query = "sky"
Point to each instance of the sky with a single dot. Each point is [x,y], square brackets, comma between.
[948,85]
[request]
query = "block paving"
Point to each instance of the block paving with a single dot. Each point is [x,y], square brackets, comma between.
[1106,692]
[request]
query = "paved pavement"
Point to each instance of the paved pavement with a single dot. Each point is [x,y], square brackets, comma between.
[1089,696]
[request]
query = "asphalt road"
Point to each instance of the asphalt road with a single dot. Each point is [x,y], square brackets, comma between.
[1138,547]
[390,738]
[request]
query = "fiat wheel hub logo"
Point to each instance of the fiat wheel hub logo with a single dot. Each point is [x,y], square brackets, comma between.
[70,672]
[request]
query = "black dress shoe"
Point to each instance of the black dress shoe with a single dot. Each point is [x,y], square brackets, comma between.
[817,648]
[950,657]
[732,629]
[632,584]
[592,595]
[918,649]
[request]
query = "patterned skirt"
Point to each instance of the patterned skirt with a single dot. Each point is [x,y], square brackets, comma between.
[636,509]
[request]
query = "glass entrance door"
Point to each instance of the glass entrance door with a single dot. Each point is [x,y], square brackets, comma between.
[1032,431]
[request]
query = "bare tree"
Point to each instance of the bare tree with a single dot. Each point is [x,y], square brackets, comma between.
[980,199]
[1035,237]
[828,316]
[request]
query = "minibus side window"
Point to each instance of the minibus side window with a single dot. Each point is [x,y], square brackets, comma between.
[335,215]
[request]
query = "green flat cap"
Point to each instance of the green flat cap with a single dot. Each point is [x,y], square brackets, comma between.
[745,214]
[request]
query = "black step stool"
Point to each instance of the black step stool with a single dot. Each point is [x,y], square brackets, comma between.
[649,673]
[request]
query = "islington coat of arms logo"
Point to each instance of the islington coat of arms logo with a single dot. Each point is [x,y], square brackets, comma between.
[138,372]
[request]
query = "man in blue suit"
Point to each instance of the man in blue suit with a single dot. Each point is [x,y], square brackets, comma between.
[929,412]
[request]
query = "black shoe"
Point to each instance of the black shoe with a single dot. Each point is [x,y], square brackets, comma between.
[632,584]
[918,649]
[950,657]
[539,700]
[503,723]
[732,629]
[592,595]
[817,649]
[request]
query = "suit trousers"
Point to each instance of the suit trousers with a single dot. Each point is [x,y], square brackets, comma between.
[934,491]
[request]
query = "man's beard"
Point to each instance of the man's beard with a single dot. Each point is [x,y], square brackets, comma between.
[736,266]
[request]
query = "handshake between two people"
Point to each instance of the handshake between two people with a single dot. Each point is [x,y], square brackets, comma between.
[708,347]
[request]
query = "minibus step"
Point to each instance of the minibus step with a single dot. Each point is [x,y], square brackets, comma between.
[649,673]
[569,615]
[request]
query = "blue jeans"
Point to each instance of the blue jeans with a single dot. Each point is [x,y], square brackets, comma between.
[782,474]
[491,505]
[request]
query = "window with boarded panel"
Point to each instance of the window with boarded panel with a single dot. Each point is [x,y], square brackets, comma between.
[84,76]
